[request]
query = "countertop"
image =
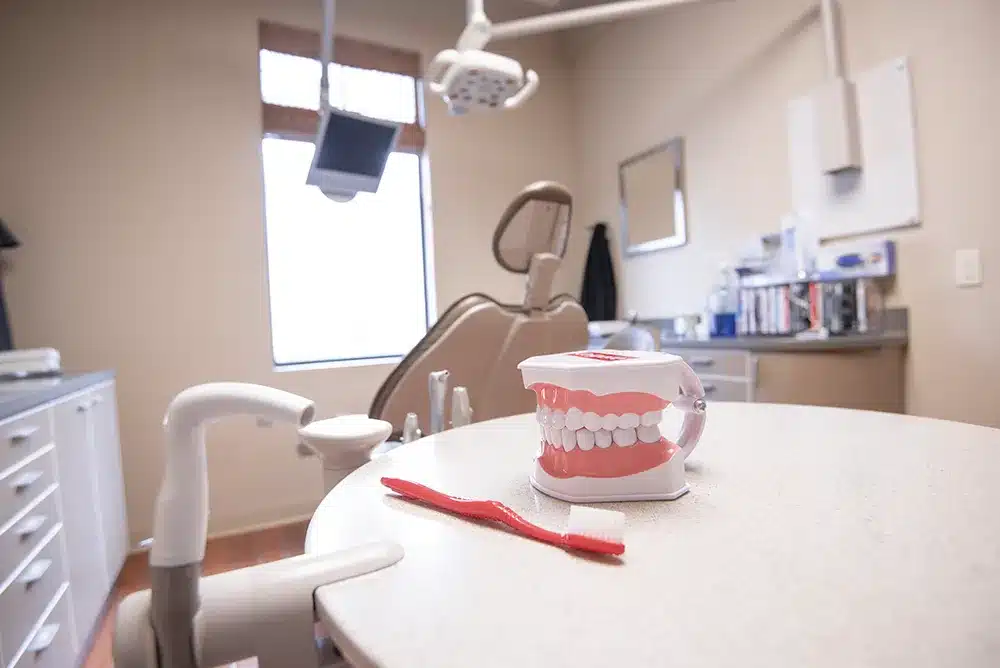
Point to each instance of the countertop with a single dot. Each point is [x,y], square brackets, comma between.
[17,396]
[811,536]
[896,339]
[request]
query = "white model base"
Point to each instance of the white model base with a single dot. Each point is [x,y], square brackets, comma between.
[665,482]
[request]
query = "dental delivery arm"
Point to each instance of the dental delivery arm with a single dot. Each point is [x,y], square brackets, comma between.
[267,611]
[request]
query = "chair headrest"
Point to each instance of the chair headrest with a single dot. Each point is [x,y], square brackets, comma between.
[536,222]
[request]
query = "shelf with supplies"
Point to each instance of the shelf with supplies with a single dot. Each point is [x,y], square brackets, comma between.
[842,294]
[815,308]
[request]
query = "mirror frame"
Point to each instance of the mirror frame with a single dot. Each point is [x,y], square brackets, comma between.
[679,237]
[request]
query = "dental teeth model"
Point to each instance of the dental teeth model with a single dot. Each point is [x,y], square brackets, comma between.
[599,415]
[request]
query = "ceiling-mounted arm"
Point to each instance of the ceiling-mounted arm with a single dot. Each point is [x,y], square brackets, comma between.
[478,28]
[474,8]
[326,53]
[574,18]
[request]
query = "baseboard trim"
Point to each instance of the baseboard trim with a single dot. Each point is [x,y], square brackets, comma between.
[242,531]
[263,526]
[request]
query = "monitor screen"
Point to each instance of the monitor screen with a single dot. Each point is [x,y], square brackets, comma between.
[355,145]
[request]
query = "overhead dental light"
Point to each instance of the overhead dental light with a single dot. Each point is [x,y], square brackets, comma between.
[351,149]
[470,79]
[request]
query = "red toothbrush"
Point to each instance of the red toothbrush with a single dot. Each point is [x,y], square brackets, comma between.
[589,530]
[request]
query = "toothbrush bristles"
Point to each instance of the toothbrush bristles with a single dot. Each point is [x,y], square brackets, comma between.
[598,524]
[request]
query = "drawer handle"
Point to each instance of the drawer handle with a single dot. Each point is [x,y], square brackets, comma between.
[30,526]
[22,436]
[709,389]
[23,482]
[84,406]
[43,639]
[34,572]
[701,362]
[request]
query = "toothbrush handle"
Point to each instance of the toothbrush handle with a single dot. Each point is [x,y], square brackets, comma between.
[498,512]
[482,510]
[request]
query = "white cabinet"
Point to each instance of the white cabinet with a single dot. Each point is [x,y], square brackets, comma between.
[66,521]
[103,417]
[81,506]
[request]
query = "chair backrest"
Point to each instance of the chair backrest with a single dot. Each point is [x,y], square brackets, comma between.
[479,340]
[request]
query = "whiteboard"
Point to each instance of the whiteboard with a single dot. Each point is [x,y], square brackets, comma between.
[884,194]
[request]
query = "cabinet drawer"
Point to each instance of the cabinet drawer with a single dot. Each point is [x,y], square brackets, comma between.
[22,436]
[29,591]
[718,389]
[26,483]
[26,532]
[51,645]
[733,363]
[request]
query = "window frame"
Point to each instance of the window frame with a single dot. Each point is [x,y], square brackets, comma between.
[347,51]
[296,124]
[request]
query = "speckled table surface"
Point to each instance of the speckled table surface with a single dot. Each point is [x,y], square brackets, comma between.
[811,537]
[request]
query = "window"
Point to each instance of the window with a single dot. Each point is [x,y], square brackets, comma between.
[347,281]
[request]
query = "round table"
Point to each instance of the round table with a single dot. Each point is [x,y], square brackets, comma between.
[811,536]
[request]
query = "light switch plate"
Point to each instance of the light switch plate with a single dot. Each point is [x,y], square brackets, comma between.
[968,268]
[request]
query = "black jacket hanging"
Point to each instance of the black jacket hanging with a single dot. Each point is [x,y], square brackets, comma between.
[599,296]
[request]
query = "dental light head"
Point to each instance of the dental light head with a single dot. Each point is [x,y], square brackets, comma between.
[475,80]
[470,79]
[351,149]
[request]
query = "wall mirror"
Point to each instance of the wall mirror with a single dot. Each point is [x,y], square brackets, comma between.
[651,189]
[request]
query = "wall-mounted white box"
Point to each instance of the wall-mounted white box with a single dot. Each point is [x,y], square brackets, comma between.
[883,194]
[837,135]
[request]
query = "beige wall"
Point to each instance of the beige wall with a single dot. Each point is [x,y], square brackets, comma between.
[129,167]
[720,74]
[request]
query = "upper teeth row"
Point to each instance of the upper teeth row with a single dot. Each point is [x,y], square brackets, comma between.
[575,419]
[602,438]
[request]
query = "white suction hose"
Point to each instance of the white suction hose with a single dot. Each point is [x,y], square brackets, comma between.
[180,525]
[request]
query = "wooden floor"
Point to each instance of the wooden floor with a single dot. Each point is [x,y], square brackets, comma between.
[221,555]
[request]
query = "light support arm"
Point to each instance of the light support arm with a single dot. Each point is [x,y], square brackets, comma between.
[478,29]
[474,8]
[574,18]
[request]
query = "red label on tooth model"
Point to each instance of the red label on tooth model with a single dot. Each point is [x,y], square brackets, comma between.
[602,357]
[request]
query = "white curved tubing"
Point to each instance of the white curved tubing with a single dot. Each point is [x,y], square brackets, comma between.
[180,524]
[694,420]
[527,90]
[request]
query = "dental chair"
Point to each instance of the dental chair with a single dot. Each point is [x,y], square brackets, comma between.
[478,340]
